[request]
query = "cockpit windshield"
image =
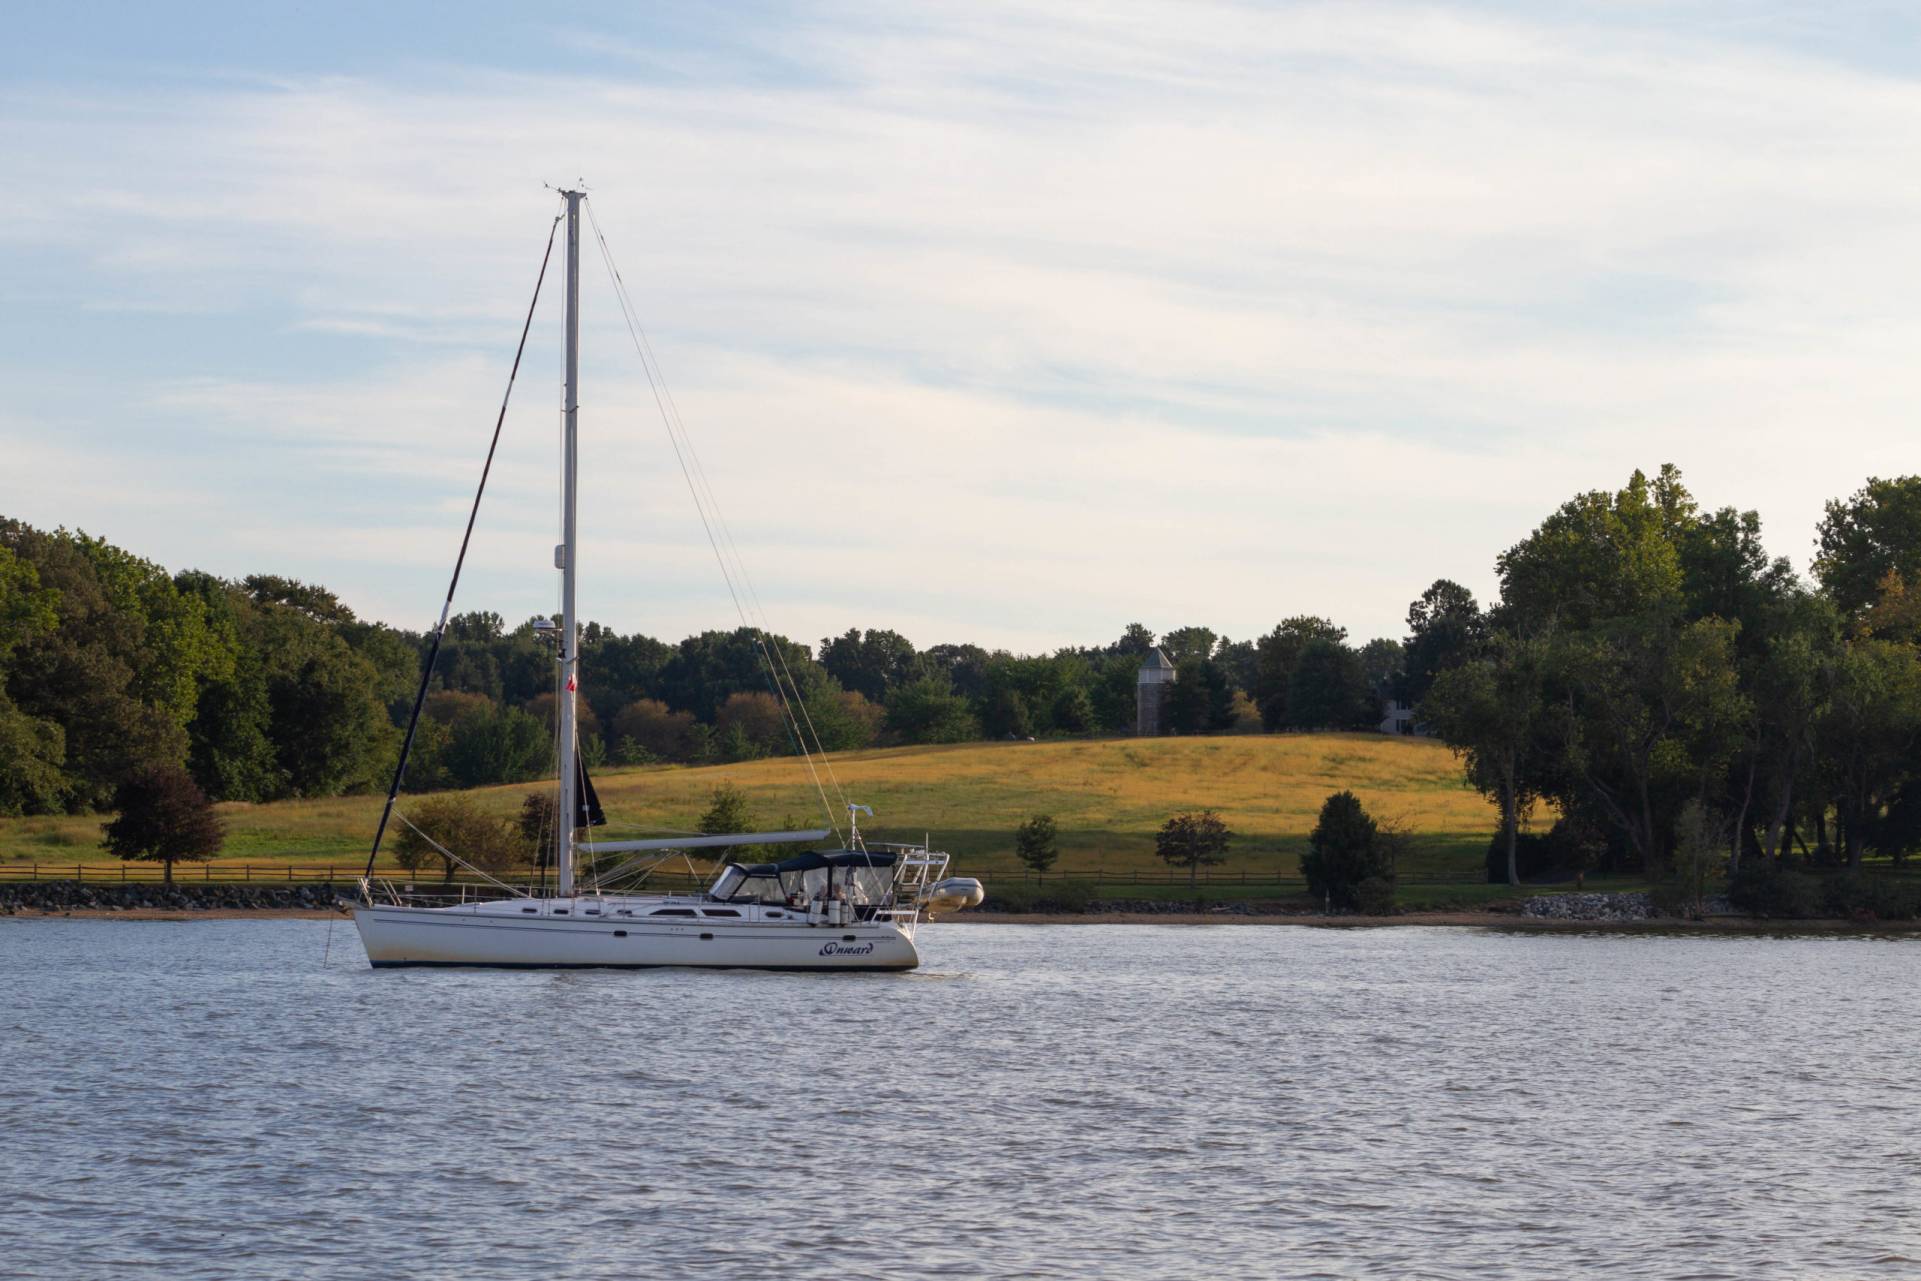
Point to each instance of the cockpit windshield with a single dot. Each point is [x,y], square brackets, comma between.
[748,885]
[854,876]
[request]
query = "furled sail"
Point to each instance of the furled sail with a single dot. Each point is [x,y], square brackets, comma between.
[590,814]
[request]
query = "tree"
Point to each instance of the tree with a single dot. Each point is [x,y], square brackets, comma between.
[1383,667]
[1861,539]
[842,719]
[1135,641]
[108,671]
[1191,840]
[1445,626]
[1188,644]
[726,812]
[1600,556]
[871,664]
[620,669]
[1113,691]
[1074,711]
[759,718]
[1200,700]
[500,745]
[451,825]
[1328,689]
[964,666]
[1345,853]
[1490,710]
[537,826]
[230,749]
[1006,715]
[703,670]
[649,729]
[1034,843]
[1241,661]
[33,749]
[544,707]
[164,818]
[1276,656]
[1699,841]
[1867,735]
[1654,714]
[314,601]
[1895,614]
[330,730]
[1790,680]
[929,711]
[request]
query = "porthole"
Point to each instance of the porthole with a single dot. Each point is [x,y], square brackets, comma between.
[530,910]
[620,934]
[707,936]
[560,911]
[847,938]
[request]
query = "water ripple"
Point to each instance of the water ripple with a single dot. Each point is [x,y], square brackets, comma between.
[205,1100]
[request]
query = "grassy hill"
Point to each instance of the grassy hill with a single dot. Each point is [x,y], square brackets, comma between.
[1107,796]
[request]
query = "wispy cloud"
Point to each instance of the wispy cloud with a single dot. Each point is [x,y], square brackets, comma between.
[1013,324]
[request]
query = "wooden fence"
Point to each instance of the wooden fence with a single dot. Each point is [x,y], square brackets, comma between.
[344,873]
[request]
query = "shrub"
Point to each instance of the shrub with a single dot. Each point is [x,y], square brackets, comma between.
[1700,846]
[1674,896]
[1864,894]
[536,824]
[1344,850]
[457,824]
[1034,843]
[1374,896]
[726,812]
[1766,888]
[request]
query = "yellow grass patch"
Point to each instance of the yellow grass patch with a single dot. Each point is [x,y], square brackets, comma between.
[1108,797]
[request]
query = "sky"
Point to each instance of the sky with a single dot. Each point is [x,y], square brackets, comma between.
[1008,324]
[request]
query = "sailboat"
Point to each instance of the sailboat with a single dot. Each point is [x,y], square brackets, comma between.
[845,905]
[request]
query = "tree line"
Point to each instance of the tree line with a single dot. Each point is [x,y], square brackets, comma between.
[1647,671]
[1680,697]
[267,687]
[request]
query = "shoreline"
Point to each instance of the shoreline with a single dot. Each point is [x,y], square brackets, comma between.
[1509,921]
[1463,920]
[174,914]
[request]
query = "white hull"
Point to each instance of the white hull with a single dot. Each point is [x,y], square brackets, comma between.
[488,935]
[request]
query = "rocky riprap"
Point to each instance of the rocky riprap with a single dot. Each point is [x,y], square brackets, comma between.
[77,896]
[1590,907]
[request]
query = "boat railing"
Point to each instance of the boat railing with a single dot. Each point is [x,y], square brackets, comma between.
[916,867]
[412,894]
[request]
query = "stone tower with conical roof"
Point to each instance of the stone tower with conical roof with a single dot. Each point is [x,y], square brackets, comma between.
[1150,693]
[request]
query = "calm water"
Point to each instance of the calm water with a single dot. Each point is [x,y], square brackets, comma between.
[208,1100]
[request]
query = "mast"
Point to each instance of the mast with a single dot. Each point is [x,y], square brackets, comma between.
[569,811]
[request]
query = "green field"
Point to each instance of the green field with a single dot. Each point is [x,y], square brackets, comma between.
[1107,796]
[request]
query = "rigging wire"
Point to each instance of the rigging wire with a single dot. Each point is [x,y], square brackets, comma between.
[800,723]
[671,410]
[440,628]
[772,655]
